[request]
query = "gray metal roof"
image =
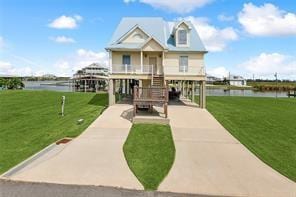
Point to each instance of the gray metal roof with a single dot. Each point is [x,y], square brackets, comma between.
[157,28]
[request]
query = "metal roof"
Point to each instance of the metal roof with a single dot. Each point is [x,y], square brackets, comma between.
[156,28]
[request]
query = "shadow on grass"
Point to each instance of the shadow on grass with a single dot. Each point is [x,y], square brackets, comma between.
[99,100]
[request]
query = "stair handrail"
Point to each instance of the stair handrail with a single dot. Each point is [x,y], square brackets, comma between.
[152,75]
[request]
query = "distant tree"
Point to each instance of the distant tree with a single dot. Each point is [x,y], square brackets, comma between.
[15,83]
[3,82]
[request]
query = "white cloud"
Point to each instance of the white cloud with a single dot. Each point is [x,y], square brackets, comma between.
[6,68]
[178,6]
[220,72]
[63,39]
[267,20]
[214,38]
[83,57]
[65,22]
[267,64]
[223,17]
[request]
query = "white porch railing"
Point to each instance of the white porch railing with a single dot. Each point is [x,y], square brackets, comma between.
[150,69]
[185,70]
[132,69]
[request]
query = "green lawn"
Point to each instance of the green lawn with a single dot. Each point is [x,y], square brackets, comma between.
[30,120]
[266,126]
[150,153]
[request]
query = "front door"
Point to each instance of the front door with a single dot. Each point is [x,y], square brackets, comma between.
[153,61]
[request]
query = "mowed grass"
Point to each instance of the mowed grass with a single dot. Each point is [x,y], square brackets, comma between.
[31,120]
[266,126]
[150,153]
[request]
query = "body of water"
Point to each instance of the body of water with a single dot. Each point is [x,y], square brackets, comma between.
[62,86]
[222,92]
[65,86]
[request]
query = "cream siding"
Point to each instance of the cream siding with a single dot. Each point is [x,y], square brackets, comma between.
[117,57]
[195,63]
[146,56]
[152,45]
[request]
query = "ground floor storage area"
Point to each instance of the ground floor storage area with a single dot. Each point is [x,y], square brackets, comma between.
[120,89]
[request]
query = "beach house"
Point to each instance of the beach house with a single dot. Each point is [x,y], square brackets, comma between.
[148,57]
[236,80]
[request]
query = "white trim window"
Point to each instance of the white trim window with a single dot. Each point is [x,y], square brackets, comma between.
[183,64]
[182,37]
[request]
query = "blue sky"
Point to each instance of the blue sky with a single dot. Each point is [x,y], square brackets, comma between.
[60,36]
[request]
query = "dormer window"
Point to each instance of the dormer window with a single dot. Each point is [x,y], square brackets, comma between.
[182,34]
[182,37]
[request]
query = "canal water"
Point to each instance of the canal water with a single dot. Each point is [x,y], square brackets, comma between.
[62,86]
[222,92]
[65,86]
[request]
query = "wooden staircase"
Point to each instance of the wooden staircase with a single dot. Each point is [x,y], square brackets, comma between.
[156,95]
[157,82]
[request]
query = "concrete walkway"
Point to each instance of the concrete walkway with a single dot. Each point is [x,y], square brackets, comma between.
[211,161]
[94,158]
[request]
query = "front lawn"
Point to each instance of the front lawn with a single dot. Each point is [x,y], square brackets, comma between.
[30,120]
[150,153]
[266,126]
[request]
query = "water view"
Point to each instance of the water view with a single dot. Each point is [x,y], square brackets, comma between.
[65,86]
[62,86]
[222,92]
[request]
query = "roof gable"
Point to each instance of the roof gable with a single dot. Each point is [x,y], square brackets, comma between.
[156,28]
[152,45]
[134,35]
[182,24]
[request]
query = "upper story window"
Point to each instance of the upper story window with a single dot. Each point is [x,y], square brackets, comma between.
[183,64]
[126,60]
[182,37]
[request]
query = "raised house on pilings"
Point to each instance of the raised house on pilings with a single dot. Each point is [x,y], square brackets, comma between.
[148,56]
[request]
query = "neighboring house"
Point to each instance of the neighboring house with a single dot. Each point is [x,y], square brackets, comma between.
[236,80]
[211,79]
[48,77]
[150,52]
[90,78]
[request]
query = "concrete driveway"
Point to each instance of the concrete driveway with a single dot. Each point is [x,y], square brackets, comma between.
[94,158]
[211,161]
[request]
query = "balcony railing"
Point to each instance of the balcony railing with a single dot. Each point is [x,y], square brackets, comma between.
[185,70]
[150,69]
[132,69]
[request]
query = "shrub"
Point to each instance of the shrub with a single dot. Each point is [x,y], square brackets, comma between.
[14,83]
